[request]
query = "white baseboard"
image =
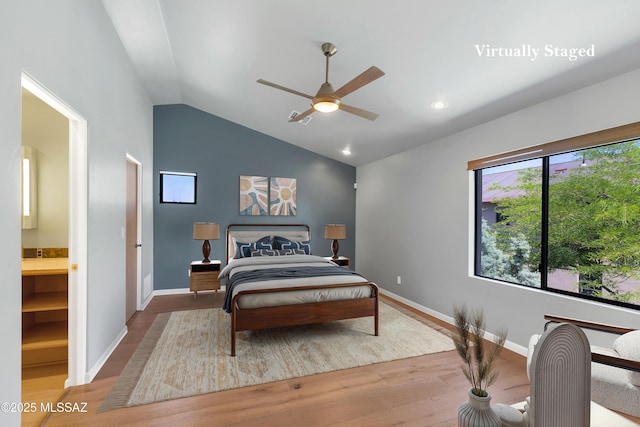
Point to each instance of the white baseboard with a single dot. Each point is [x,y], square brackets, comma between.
[174,291]
[89,376]
[418,307]
[509,345]
[146,302]
[516,348]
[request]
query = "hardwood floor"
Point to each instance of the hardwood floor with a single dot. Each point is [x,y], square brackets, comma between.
[420,391]
[41,384]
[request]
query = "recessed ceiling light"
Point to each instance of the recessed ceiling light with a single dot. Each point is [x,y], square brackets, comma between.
[439,104]
[346,152]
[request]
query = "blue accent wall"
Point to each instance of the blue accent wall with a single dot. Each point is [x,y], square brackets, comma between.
[219,151]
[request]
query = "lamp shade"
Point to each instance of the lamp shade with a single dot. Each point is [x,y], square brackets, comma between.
[335,231]
[206,231]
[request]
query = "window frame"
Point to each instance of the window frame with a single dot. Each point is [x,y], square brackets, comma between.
[576,143]
[193,187]
[545,151]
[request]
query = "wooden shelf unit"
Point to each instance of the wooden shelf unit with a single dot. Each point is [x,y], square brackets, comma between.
[45,301]
[44,336]
[44,311]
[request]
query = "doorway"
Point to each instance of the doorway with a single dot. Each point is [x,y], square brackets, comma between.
[77,231]
[133,237]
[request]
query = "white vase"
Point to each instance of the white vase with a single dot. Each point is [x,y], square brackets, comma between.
[477,412]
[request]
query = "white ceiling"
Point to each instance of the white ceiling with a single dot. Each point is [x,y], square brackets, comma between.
[209,53]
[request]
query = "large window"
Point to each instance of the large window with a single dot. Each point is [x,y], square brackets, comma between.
[564,221]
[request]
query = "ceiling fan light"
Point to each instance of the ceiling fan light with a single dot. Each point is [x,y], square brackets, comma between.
[326,104]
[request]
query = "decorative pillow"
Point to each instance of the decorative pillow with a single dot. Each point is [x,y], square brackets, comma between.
[279,241]
[244,250]
[284,243]
[628,346]
[277,252]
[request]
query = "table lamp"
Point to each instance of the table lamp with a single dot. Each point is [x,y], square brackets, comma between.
[206,231]
[335,232]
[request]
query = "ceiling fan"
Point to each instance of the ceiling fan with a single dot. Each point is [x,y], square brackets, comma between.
[327,99]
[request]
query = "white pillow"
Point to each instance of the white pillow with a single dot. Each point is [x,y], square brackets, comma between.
[628,346]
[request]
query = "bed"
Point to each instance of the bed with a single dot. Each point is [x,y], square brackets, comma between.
[272,280]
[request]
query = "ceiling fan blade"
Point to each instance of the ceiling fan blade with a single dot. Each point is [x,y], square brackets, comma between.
[303,115]
[365,78]
[286,89]
[359,112]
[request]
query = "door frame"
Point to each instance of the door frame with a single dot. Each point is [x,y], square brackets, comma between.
[78,242]
[138,164]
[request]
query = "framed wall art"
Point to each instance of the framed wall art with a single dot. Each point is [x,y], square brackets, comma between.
[282,197]
[254,194]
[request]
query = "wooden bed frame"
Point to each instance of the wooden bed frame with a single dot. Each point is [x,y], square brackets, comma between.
[298,314]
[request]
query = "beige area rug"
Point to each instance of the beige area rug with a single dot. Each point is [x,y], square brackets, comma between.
[186,353]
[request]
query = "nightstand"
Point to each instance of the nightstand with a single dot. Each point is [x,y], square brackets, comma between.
[204,276]
[342,261]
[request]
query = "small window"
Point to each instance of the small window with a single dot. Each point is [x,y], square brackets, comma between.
[178,187]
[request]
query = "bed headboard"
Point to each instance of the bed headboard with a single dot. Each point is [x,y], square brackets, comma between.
[252,232]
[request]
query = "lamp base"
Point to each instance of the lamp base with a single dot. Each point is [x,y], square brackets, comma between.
[335,246]
[206,250]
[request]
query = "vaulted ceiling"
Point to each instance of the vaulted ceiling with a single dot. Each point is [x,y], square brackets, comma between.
[477,56]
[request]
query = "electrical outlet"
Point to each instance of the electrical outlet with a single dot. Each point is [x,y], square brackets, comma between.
[188,273]
[39,252]
[399,280]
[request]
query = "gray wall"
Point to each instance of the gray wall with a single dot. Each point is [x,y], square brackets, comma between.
[10,225]
[429,242]
[219,151]
[72,49]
